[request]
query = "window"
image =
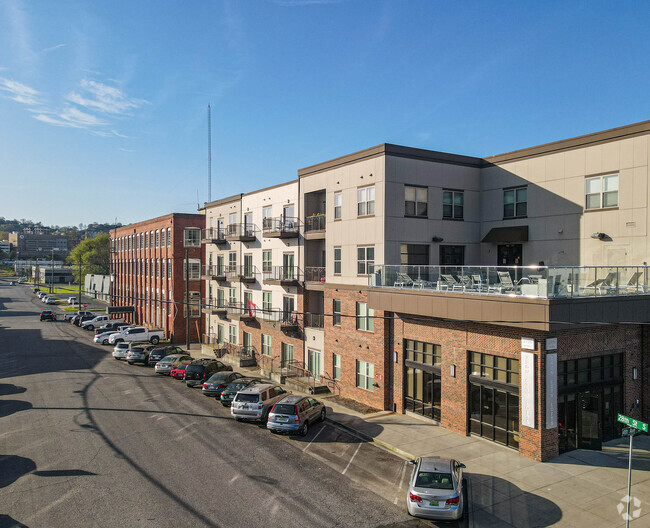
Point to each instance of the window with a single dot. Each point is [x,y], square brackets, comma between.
[453,204]
[220,298]
[267,263]
[157,238]
[338,203]
[365,317]
[169,236]
[267,215]
[515,202]
[452,255]
[366,201]
[192,237]
[267,305]
[415,201]
[162,268]
[232,334]
[365,375]
[420,352]
[336,311]
[365,260]
[162,238]
[157,274]
[146,240]
[496,368]
[248,298]
[232,261]
[194,266]
[232,295]
[195,305]
[336,366]
[414,254]
[337,261]
[169,268]
[220,334]
[151,270]
[232,220]
[266,345]
[602,191]
[589,370]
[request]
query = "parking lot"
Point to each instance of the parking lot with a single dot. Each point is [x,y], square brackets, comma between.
[78,424]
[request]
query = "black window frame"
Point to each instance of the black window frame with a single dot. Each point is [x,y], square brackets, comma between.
[451,210]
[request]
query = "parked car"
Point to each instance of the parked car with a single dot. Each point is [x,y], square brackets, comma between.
[47,315]
[254,403]
[166,364]
[179,372]
[78,321]
[36,290]
[40,294]
[120,350]
[103,337]
[294,414]
[115,326]
[50,300]
[95,321]
[138,333]
[44,298]
[436,489]
[139,353]
[160,352]
[216,383]
[234,387]
[78,314]
[201,369]
[72,300]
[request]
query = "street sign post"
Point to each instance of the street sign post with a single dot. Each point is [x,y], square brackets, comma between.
[637,424]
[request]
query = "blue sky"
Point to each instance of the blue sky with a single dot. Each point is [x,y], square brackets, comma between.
[103,104]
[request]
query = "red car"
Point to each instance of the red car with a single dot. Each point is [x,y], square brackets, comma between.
[179,372]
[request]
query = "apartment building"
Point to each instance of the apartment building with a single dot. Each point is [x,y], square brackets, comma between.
[147,266]
[29,244]
[504,297]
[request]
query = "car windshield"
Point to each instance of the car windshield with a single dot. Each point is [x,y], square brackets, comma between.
[169,359]
[237,385]
[182,367]
[248,398]
[284,409]
[220,377]
[195,368]
[434,480]
[137,349]
[122,346]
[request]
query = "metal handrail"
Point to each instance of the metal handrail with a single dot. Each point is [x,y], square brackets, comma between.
[331,382]
[214,233]
[315,223]
[298,369]
[282,273]
[314,320]
[315,274]
[242,230]
[242,271]
[281,224]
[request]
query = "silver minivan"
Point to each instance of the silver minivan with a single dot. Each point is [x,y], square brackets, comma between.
[294,414]
[255,402]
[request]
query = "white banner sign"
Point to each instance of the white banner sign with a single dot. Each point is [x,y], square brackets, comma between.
[528,343]
[528,389]
[551,391]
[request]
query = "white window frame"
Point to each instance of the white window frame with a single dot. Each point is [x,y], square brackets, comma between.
[338,205]
[336,366]
[602,180]
[232,334]
[191,237]
[457,210]
[194,266]
[365,266]
[266,345]
[169,236]
[338,261]
[516,201]
[365,317]
[414,194]
[366,201]
[365,375]
[267,302]
[267,263]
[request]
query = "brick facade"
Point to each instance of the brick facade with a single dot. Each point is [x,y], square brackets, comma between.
[139,280]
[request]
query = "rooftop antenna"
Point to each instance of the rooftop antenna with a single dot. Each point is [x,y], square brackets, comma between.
[209,155]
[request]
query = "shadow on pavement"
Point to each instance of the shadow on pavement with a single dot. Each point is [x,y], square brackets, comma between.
[9,407]
[7,389]
[63,473]
[6,521]
[12,467]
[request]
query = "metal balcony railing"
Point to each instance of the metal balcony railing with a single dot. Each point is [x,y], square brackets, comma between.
[314,274]
[240,311]
[243,273]
[280,274]
[281,227]
[242,232]
[214,235]
[547,282]
[315,223]
[314,320]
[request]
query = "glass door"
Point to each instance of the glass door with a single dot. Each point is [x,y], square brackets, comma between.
[248,266]
[589,416]
[287,308]
[314,363]
[287,355]
[287,266]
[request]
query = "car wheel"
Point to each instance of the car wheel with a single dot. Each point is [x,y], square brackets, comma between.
[130,362]
[105,342]
[90,327]
[238,418]
[116,358]
[322,415]
[305,429]
[154,340]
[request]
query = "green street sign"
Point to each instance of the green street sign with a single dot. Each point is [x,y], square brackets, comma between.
[629,431]
[641,426]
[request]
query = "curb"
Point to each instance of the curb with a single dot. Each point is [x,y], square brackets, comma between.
[368,438]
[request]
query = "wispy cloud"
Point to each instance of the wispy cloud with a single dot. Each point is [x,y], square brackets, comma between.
[104,98]
[19,92]
[52,48]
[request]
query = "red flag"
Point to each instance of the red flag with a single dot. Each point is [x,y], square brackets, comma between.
[251,309]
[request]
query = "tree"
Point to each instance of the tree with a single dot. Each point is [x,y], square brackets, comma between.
[95,255]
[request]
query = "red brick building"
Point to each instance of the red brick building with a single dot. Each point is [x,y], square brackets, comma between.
[148,273]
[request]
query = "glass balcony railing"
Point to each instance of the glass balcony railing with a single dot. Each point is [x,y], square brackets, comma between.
[314,320]
[314,274]
[281,274]
[315,223]
[547,282]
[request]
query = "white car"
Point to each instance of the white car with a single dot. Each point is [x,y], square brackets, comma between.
[120,350]
[103,337]
[72,300]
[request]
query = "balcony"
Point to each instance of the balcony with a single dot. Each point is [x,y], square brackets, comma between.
[240,312]
[314,320]
[315,227]
[242,232]
[315,275]
[214,307]
[281,275]
[283,227]
[214,235]
[286,320]
[246,274]
[212,272]
[546,298]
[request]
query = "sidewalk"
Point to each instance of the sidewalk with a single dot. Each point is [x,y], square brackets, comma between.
[575,490]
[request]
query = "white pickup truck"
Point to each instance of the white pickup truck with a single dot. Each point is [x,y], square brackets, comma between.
[91,324]
[138,333]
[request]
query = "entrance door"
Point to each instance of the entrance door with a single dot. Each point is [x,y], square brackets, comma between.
[509,255]
[314,363]
[589,415]
[287,266]
[287,355]
[288,214]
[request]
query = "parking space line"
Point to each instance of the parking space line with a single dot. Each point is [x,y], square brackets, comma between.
[350,462]
[401,481]
[314,438]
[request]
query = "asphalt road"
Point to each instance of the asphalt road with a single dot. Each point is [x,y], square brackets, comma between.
[89,441]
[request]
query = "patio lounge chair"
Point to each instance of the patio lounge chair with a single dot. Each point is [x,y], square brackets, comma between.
[448,282]
[477,282]
[633,284]
[403,280]
[505,283]
[608,284]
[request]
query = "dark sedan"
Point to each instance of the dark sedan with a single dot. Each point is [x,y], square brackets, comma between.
[216,383]
[163,351]
[47,315]
[234,387]
[201,369]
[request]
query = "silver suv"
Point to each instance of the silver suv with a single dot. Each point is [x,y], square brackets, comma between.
[254,403]
[294,414]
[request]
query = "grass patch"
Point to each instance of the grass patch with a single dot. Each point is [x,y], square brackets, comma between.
[7,271]
[63,289]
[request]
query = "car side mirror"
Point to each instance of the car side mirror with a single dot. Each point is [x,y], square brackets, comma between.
[462,466]
[412,462]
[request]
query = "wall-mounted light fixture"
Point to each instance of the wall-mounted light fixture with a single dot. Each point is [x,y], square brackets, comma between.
[599,236]
[436,239]
[453,371]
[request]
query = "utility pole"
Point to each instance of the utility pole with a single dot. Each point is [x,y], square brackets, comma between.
[79,299]
[209,155]
[187,298]
[52,272]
